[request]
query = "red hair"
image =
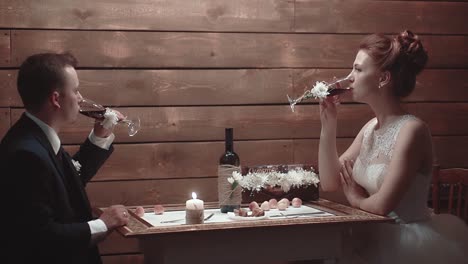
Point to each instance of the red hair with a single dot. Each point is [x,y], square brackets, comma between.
[403,56]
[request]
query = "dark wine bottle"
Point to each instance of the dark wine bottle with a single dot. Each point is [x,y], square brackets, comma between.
[229,156]
[229,194]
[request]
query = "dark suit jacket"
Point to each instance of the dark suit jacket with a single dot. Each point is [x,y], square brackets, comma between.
[44,199]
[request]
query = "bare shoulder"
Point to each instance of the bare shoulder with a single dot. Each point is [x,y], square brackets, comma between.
[417,127]
[416,133]
[414,145]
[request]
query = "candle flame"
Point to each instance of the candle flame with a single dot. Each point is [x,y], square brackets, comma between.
[194,195]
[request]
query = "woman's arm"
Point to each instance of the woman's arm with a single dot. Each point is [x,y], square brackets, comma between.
[413,149]
[329,163]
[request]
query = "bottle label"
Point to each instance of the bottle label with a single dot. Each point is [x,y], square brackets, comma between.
[228,193]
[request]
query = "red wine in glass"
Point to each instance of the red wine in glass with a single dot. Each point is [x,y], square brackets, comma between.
[96,114]
[94,110]
[338,86]
[337,91]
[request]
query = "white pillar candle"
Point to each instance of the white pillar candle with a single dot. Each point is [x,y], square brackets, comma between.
[194,204]
[194,211]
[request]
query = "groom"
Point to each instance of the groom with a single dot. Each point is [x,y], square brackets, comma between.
[48,216]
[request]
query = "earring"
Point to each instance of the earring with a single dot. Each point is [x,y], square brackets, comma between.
[380,86]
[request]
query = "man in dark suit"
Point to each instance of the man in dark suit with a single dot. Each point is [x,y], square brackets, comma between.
[47,216]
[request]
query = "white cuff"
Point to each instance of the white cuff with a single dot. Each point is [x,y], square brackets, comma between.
[103,143]
[98,230]
[97,227]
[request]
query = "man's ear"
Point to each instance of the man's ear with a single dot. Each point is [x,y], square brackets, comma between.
[54,99]
[385,78]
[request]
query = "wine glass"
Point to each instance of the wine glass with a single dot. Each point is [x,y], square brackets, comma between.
[94,110]
[338,86]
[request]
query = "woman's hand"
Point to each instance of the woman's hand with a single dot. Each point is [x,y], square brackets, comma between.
[328,110]
[353,191]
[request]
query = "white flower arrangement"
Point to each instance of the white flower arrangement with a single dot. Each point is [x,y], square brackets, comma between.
[255,181]
[319,91]
[110,119]
[77,165]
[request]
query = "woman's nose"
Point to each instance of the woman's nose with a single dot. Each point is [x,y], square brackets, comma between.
[351,76]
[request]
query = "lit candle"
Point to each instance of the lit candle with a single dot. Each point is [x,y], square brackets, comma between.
[194,210]
[194,204]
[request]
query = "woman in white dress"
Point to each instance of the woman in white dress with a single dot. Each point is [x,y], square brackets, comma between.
[387,169]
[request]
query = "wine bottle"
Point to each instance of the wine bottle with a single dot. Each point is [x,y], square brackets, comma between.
[229,194]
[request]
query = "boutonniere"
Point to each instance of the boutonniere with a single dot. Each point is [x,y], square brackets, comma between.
[77,165]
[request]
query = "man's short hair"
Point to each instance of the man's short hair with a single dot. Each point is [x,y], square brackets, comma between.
[40,75]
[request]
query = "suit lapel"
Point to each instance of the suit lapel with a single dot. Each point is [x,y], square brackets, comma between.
[35,130]
[66,173]
[76,186]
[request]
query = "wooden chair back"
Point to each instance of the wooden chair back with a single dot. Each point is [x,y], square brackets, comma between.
[456,181]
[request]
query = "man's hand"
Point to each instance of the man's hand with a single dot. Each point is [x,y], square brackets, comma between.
[115,216]
[103,132]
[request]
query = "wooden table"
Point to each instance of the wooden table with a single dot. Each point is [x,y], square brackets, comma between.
[262,241]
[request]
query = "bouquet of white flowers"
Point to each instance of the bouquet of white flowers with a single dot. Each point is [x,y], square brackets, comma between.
[273,176]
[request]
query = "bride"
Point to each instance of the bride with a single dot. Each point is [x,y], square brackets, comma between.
[387,169]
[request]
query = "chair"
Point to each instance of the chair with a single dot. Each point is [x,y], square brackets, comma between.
[456,181]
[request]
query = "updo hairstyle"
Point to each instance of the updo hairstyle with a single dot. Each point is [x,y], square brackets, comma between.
[403,56]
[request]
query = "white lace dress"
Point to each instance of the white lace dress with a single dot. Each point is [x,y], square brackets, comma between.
[417,236]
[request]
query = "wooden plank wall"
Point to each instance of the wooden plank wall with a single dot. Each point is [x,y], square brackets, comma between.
[191,68]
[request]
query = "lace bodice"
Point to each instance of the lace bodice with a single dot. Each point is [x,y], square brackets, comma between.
[371,166]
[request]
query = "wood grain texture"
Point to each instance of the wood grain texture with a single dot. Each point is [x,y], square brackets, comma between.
[186,87]
[451,152]
[189,50]
[8,93]
[169,124]
[226,87]
[216,50]
[306,150]
[186,160]
[239,16]
[377,16]
[4,121]
[116,243]
[5,48]
[440,85]
[151,192]
[167,15]
[451,123]
[183,160]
